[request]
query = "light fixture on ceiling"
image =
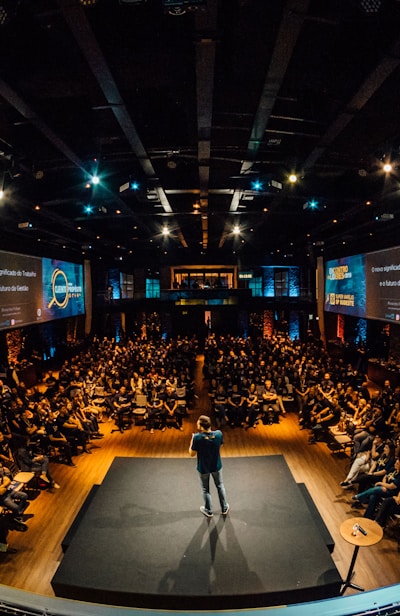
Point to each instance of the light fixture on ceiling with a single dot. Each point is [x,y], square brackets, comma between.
[179,7]
[176,10]
[385,217]
[132,2]
[171,162]
[8,10]
[311,204]
[370,7]
[87,3]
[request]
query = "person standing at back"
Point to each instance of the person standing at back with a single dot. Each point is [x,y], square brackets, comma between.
[206,444]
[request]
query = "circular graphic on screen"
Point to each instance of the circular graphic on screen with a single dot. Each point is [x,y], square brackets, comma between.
[59,289]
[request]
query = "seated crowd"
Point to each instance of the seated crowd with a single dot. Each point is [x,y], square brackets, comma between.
[248,381]
[60,416]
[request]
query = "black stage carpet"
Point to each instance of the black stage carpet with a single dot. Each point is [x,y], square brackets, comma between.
[142,541]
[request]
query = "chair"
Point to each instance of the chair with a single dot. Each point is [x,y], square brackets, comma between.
[181,397]
[339,441]
[29,479]
[21,478]
[139,412]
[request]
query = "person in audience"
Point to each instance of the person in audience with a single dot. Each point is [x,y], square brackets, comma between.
[72,429]
[171,408]
[51,383]
[155,406]
[364,435]
[6,456]
[362,411]
[301,390]
[312,405]
[270,403]
[389,507]
[389,486]
[393,421]
[321,421]
[10,498]
[76,384]
[381,465]
[326,385]
[220,406]
[253,407]
[57,439]
[235,406]
[89,416]
[365,462]
[30,460]
[122,404]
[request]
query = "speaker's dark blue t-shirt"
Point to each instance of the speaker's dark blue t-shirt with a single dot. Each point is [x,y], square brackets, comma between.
[207,445]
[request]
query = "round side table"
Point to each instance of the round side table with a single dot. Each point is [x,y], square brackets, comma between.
[373,534]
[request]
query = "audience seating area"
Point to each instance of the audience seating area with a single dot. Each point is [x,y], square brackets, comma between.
[150,384]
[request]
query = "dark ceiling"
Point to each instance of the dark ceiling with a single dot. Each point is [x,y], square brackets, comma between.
[195,104]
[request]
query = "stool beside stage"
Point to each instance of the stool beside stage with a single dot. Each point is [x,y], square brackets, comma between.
[143,542]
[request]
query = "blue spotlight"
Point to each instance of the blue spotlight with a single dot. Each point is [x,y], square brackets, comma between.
[88,209]
[135,185]
[256,185]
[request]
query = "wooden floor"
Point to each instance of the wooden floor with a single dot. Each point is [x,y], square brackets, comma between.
[39,549]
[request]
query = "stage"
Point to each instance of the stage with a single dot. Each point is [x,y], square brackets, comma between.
[141,540]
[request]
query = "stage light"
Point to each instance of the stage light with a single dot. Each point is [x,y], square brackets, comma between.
[165,231]
[236,230]
[387,167]
[88,209]
[95,180]
[292,178]
[8,10]
[256,185]
[135,185]
[311,204]
[87,2]
[132,2]
[1,193]
[179,7]
[370,7]
[3,15]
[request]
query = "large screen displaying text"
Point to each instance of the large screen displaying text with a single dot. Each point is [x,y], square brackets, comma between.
[366,285]
[35,290]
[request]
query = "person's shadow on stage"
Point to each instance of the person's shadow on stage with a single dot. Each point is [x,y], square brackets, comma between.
[213,564]
[138,516]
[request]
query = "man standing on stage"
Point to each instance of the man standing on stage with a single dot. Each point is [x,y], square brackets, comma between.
[206,443]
